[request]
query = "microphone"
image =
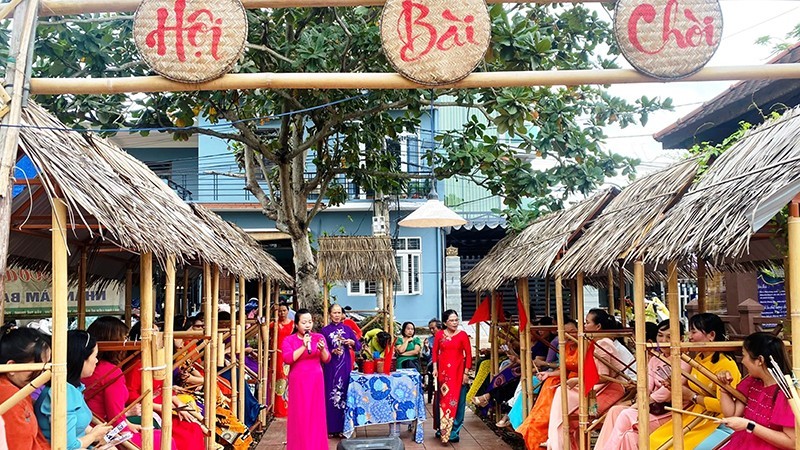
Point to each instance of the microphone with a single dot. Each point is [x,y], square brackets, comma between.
[308,346]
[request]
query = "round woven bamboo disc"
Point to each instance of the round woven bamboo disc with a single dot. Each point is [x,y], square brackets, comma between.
[435,42]
[213,35]
[670,48]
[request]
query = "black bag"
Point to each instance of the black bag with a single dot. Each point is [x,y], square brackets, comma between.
[659,408]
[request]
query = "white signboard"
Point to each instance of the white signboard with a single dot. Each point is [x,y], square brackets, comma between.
[28,293]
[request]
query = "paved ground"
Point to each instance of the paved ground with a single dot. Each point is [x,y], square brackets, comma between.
[474,436]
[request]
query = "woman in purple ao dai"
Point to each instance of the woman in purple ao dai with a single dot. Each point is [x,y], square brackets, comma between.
[340,339]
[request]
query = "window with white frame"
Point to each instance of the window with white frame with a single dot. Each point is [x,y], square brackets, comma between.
[408,258]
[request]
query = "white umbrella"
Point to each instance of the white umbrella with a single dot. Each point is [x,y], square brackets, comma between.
[432,214]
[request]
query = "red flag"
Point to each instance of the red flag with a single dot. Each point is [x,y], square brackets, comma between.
[590,374]
[482,312]
[523,315]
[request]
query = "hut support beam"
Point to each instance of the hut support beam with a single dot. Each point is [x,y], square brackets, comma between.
[215,343]
[794,289]
[524,345]
[58,424]
[276,361]
[583,404]
[146,295]
[702,285]
[493,333]
[128,295]
[611,292]
[623,315]
[234,345]
[562,351]
[210,355]
[675,348]
[82,290]
[263,344]
[169,325]
[642,397]
[241,346]
[478,339]
[185,297]
[547,299]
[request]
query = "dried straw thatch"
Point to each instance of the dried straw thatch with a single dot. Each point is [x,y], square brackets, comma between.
[252,259]
[531,252]
[344,258]
[112,198]
[623,223]
[713,219]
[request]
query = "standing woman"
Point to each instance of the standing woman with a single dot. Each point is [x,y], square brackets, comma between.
[408,348]
[21,346]
[303,352]
[81,361]
[703,327]
[285,329]
[452,359]
[341,341]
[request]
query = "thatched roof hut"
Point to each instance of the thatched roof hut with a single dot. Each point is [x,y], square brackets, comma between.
[531,252]
[623,223]
[743,189]
[116,206]
[344,258]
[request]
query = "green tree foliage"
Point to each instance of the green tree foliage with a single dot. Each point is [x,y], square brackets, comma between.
[559,124]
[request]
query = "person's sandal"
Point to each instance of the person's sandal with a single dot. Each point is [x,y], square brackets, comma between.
[503,422]
[480,400]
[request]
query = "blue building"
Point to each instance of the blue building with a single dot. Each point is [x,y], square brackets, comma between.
[204,170]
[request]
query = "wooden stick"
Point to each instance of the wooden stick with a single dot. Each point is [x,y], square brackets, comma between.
[794,402]
[58,425]
[690,413]
[688,376]
[127,408]
[374,81]
[713,377]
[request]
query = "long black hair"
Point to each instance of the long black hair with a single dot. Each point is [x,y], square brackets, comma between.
[22,345]
[706,323]
[80,345]
[109,328]
[767,345]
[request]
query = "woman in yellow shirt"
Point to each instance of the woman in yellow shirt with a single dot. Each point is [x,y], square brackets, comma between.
[705,327]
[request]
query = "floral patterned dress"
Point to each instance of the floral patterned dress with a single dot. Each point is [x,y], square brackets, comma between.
[337,374]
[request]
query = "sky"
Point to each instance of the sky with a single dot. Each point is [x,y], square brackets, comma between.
[743,23]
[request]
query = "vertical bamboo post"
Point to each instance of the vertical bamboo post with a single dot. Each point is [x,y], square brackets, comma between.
[674,351]
[702,285]
[211,414]
[128,296]
[185,298]
[562,352]
[573,301]
[642,398]
[277,363]
[524,346]
[547,296]
[58,424]
[623,314]
[325,302]
[240,327]
[494,333]
[794,289]
[388,295]
[583,403]
[146,313]
[169,325]
[210,355]
[611,292]
[82,290]
[234,346]
[477,335]
[263,344]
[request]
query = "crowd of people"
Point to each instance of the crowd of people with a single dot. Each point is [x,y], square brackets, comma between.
[103,384]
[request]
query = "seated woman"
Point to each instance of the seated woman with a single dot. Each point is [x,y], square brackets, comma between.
[704,327]
[503,385]
[766,421]
[375,343]
[607,393]
[21,346]
[106,392]
[408,348]
[534,429]
[81,361]
[620,428]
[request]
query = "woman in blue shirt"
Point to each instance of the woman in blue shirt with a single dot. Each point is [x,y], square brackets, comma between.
[81,361]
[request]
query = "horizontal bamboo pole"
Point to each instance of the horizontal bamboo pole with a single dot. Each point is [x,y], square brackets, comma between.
[25,391]
[357,81]
[721,346]
[23,367]
[71,7]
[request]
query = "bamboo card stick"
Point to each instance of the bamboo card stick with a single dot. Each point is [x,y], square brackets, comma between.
[689,413]
[169,325]
[642,396]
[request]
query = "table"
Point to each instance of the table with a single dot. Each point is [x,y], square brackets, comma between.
[379,398]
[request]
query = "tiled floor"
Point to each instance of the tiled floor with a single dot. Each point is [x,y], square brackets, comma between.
[474,436]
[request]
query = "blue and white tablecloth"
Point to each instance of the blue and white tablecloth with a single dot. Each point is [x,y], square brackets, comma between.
[380,398]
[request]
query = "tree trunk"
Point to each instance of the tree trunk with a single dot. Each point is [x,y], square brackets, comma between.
[307,285]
